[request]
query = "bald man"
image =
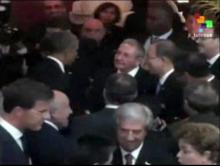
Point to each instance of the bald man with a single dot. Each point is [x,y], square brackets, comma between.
[54,8]
[93,29]
[48,146]
[59,111]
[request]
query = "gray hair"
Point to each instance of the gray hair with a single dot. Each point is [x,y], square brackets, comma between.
[140,52]
[59,42]
[134,111]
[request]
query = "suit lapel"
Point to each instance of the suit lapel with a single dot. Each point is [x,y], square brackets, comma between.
[117,160]
[144,155]
[12,147]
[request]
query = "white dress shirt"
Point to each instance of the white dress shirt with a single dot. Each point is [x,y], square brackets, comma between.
[135,153]
[61,65]
[51,124]
[133,72]
[111,106]
[164,36]
[13,131]
[165,76]
[213,59]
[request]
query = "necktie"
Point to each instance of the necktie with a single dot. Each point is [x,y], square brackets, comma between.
[128,158]
[25,149]
[24,145]
[158,88]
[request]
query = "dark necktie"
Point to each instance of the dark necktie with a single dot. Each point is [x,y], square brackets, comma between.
[128,158]
[158,88]
[24,145]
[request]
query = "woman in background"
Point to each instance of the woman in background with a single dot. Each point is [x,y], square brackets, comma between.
[199,144]
[109,14]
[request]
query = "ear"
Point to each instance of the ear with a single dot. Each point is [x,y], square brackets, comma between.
[207,154]
[18,111]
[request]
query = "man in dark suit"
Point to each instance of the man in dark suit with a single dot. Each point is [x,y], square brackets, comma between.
[160,60]
[119,88]
[210,46]
[60,48]
[48,146]
[160,23]
[25,103]
[128,58]
[197,70]
[134,148]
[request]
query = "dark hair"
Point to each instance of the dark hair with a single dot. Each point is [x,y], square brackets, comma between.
[203,137]
[120,88]
[197,66]
[105,6]
[93,149]
[59,42]
[10,69]
[202,97]
[166,48]
[24,93]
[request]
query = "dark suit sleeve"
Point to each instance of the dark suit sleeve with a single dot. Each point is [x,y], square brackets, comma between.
[49,147]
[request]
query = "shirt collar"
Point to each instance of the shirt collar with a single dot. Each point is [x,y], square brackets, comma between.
[133,72]
[51,124]
[211,78]
[111,106]
[212,60]
[58,62]
[135,153]
[13,131]
[165,35]
[165,76]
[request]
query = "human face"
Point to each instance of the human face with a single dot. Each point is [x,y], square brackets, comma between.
[188,155]
[107,16]
[131,134]
[208,46]
[155,21]
[70,57]
[54,8]
[125,58]
[191,26]
[153,62]
[93,29]
[33,118]
[61,115]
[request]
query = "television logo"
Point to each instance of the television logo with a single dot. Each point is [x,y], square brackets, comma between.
[204,25]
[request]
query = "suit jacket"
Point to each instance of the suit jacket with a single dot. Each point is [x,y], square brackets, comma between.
[48,146]
[171,99]
[50,73]
[10,152]
[100,123]
[151,152]
[145,81]
[215,68]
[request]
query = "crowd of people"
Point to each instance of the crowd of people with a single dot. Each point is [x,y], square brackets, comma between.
[122,85]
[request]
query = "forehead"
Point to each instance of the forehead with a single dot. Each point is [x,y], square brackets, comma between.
[132,124]
[185,145]
[93,24]
[53,3]
[41,105]
[127,47]
[153,11]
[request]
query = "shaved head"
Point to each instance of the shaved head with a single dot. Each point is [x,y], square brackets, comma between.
[93,29]
[60,109]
